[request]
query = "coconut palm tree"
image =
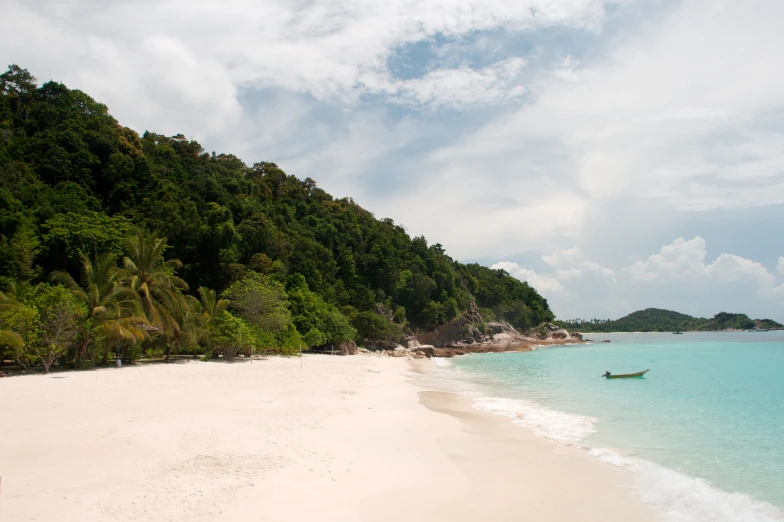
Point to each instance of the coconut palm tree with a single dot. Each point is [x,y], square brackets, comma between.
[192,327]
[152,278]
[115,309]
[208,307]
[209,303]
[195,318]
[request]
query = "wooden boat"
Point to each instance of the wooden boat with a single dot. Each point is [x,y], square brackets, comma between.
[608,375]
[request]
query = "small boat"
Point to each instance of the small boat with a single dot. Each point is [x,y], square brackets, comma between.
[608,375]
[678,333]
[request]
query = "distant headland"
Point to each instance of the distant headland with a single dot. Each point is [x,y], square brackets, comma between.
[658,320]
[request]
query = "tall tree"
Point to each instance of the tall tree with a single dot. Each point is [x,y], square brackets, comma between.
[61,315]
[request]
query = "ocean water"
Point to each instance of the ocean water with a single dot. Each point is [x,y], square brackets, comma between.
[703,431]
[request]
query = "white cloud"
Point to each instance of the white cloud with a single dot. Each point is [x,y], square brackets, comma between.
[677,277]
[543,283]
[463,86]
[585,267]
[165,58]
[731,268]
[679,260]
[564,258]
[686,260]
[683,112]
[571,263]
[780,266]
[571,266]
[469,218]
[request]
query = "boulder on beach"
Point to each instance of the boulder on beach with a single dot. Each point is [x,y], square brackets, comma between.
[348,348]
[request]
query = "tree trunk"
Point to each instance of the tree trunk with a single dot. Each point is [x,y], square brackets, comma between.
[19,360]
[82,355]
[105,359]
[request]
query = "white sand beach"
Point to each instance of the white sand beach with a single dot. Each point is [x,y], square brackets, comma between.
[342,439]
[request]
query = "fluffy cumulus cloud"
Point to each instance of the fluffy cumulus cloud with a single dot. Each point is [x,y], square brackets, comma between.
[686,260]
[569,273]
[682,259]
[676,277]
[547,284]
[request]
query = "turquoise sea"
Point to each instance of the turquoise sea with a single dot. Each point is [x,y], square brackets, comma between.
[703,431]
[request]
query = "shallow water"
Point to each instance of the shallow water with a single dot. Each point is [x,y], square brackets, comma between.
[706,421]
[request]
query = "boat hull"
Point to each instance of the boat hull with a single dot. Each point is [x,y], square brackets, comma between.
[627,375]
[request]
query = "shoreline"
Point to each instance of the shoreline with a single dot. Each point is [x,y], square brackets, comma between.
[532,476]
[674,493]
[688,331]
[340,439]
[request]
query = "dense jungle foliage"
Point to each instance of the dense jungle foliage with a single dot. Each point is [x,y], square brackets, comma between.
[115,242]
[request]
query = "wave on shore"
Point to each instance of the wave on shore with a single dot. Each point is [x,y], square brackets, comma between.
[550,424]
[684,498]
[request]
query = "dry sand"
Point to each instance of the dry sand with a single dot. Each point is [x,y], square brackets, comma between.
[342,439]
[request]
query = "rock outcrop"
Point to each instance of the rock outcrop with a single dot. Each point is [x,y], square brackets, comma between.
[470,334]
[348,348]
[463,335]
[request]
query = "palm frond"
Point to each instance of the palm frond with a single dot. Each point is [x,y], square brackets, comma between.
[10,338]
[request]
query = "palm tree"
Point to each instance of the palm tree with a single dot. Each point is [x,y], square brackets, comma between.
[192,326]
[208,307]
[115,309]
[153,280]
[209,303]
[17,292]
[13,339]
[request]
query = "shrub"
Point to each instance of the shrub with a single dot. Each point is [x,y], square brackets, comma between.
[487,315]
[231,336]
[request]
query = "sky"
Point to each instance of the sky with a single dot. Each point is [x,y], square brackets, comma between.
[616,155]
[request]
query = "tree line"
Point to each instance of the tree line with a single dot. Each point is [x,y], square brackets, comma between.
[80,195]
[137,306]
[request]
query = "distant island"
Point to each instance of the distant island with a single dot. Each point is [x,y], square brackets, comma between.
[658,320]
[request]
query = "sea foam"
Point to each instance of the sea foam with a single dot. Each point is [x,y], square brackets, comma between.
[549,424]
[683,498]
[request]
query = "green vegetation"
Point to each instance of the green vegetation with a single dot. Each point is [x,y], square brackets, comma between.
[657,320]
[150,246]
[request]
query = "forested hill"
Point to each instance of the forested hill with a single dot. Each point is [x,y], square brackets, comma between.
[73,180]
[657,320]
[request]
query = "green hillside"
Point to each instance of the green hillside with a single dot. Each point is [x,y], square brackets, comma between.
[658,320]
[76,187]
